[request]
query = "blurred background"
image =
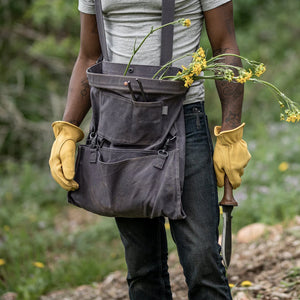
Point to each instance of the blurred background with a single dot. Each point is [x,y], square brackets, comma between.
[45,244]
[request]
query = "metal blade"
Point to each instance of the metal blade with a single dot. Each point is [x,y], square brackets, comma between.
[226,235]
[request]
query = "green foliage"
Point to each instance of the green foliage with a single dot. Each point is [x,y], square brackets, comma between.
[38,46]
[57,16]
[32,229]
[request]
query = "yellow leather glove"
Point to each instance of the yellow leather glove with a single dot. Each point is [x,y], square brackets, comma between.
[231,155]
[62,157]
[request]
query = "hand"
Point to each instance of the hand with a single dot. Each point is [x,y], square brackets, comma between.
[62,157]
[231,155]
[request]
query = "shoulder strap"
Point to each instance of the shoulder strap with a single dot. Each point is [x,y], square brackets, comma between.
[168,7]
[168,10]
[101,30]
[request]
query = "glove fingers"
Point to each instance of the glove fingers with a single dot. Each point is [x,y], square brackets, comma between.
[67,155]
[62,157]
[68,185]
[220,179]
[238,166]
[218,166]
[220,174]
[57,172]
[235,178]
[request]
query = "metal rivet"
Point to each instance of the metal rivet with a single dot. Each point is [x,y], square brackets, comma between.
[130,70]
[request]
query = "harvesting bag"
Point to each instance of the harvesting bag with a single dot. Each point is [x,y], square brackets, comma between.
[132,164]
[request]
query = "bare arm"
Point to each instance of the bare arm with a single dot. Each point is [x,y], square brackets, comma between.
[221,34]
[78,100]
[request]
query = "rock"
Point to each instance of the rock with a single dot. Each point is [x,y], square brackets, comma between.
[281,295]
[297,220]
[251,233]
[9,296]
[242,296]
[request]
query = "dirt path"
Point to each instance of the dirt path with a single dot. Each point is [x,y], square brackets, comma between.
[268,258]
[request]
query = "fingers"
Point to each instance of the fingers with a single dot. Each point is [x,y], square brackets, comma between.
[235,178]
[62,160]
[220,174]
[218,160]
[57,174]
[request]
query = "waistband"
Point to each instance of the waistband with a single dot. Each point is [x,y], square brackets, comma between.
[194,107]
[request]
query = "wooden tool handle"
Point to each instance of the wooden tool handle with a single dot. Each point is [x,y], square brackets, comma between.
[228,198]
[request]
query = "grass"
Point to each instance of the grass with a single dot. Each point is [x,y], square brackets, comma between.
[32,230]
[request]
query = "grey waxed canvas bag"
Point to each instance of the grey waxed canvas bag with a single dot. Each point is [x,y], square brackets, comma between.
[132,164]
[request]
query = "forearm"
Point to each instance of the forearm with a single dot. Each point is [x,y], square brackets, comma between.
[231,94]
[221,33]
[78,99]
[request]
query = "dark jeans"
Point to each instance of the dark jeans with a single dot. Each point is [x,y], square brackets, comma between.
[196,236]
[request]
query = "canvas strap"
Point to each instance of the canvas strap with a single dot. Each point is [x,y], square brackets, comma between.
[168,8]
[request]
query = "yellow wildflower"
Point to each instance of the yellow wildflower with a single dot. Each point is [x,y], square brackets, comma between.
[298,117]
[188,81]
[288,119]
[186,23]
[2,262]
[244,76]
[204,63]
[201,52]
[39,265]
[246,283]
[200,60]
[293,118]
[197,68]
[6,228]
[260,69]
[283,166]
[228,75]
[231,285]
[282,118]
[241,79]
[281,104]
[249,74]
[199,56]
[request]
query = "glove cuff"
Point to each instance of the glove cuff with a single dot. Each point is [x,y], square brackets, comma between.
[228,137]
[69,130]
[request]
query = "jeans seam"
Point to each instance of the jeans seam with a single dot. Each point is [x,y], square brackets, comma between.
[163,293]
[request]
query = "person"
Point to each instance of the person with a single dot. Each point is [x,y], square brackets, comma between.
[196,236]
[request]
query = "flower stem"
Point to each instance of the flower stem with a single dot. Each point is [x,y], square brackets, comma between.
[169,63]
[287,100]
[231,54]
[172,78]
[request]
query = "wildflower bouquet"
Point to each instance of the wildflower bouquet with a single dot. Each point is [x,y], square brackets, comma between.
[213,68]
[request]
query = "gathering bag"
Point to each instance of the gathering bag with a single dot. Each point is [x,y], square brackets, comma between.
[132,164]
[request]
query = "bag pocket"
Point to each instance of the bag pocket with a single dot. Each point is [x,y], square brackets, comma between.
[124,121]
[128,183]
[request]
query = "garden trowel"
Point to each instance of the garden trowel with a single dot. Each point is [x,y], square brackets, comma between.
[227,203]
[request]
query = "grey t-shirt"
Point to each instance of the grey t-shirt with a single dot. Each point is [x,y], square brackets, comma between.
[127,20]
